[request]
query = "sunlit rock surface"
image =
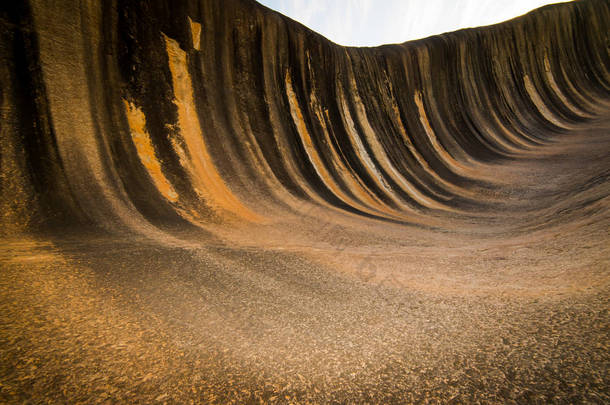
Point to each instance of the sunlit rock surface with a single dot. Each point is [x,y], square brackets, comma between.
[204,201]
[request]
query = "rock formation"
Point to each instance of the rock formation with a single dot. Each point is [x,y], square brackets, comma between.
[205,201]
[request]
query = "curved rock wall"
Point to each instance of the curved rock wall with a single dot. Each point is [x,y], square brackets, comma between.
[127,115]
[205,202]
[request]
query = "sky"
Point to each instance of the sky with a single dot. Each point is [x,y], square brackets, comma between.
[377,22]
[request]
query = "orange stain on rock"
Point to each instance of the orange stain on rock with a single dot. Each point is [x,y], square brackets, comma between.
[146,151]
[195,33]
[195,156]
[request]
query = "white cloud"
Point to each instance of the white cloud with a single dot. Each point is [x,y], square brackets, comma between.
[376,22]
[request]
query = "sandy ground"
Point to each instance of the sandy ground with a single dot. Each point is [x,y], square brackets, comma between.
[508,304]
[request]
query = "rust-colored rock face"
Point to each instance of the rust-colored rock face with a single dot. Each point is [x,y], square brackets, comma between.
[204,201]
